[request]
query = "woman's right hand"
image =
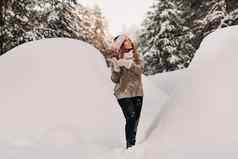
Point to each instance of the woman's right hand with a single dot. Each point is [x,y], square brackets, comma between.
[114,64]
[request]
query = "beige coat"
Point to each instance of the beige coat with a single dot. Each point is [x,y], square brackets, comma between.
[129,81]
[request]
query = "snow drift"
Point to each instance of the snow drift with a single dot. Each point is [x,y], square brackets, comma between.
[199,120]
[57,93]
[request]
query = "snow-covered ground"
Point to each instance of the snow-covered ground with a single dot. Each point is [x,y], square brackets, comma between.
[199,119]
[57,103]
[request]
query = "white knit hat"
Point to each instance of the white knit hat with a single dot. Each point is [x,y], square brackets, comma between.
[118,42]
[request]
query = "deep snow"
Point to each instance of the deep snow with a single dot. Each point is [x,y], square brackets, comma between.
[57,102]
[199,119]
[57,94]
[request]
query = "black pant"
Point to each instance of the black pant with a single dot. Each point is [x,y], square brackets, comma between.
[131,108]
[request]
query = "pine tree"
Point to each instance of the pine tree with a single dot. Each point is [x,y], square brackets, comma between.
[203,17]
[164,40]
[28,20]
[199,18]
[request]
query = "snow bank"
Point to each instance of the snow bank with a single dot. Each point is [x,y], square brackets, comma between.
[57,100]
[46,86]
[199,120]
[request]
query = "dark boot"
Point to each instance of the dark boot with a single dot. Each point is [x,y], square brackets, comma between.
[128,145]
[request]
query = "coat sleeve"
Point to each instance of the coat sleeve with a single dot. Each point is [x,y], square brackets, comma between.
[138,68]
[115,76]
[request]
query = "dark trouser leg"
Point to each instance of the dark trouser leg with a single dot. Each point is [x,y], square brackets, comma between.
[129,112]
[137,101]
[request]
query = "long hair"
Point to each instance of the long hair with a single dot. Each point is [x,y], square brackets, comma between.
[135,52]
[136,57]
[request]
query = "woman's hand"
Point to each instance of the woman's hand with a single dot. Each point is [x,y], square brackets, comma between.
[114,64]
[126,63]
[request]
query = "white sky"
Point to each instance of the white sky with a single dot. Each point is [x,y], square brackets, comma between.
[121,14]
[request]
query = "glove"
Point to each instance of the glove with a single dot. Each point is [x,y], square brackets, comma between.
[125,63]
[114,64]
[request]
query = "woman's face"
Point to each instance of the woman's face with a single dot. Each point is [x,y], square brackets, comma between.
[127,44]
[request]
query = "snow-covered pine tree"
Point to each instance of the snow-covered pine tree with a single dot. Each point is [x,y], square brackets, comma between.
[28,20]
[101,38]
[146,41]
[230,19]
[231,5]
[164,40]
[214,11]
[203,17]
[17,20]
[200,19]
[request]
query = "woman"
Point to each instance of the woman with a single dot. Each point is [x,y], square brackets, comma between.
[127,67]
